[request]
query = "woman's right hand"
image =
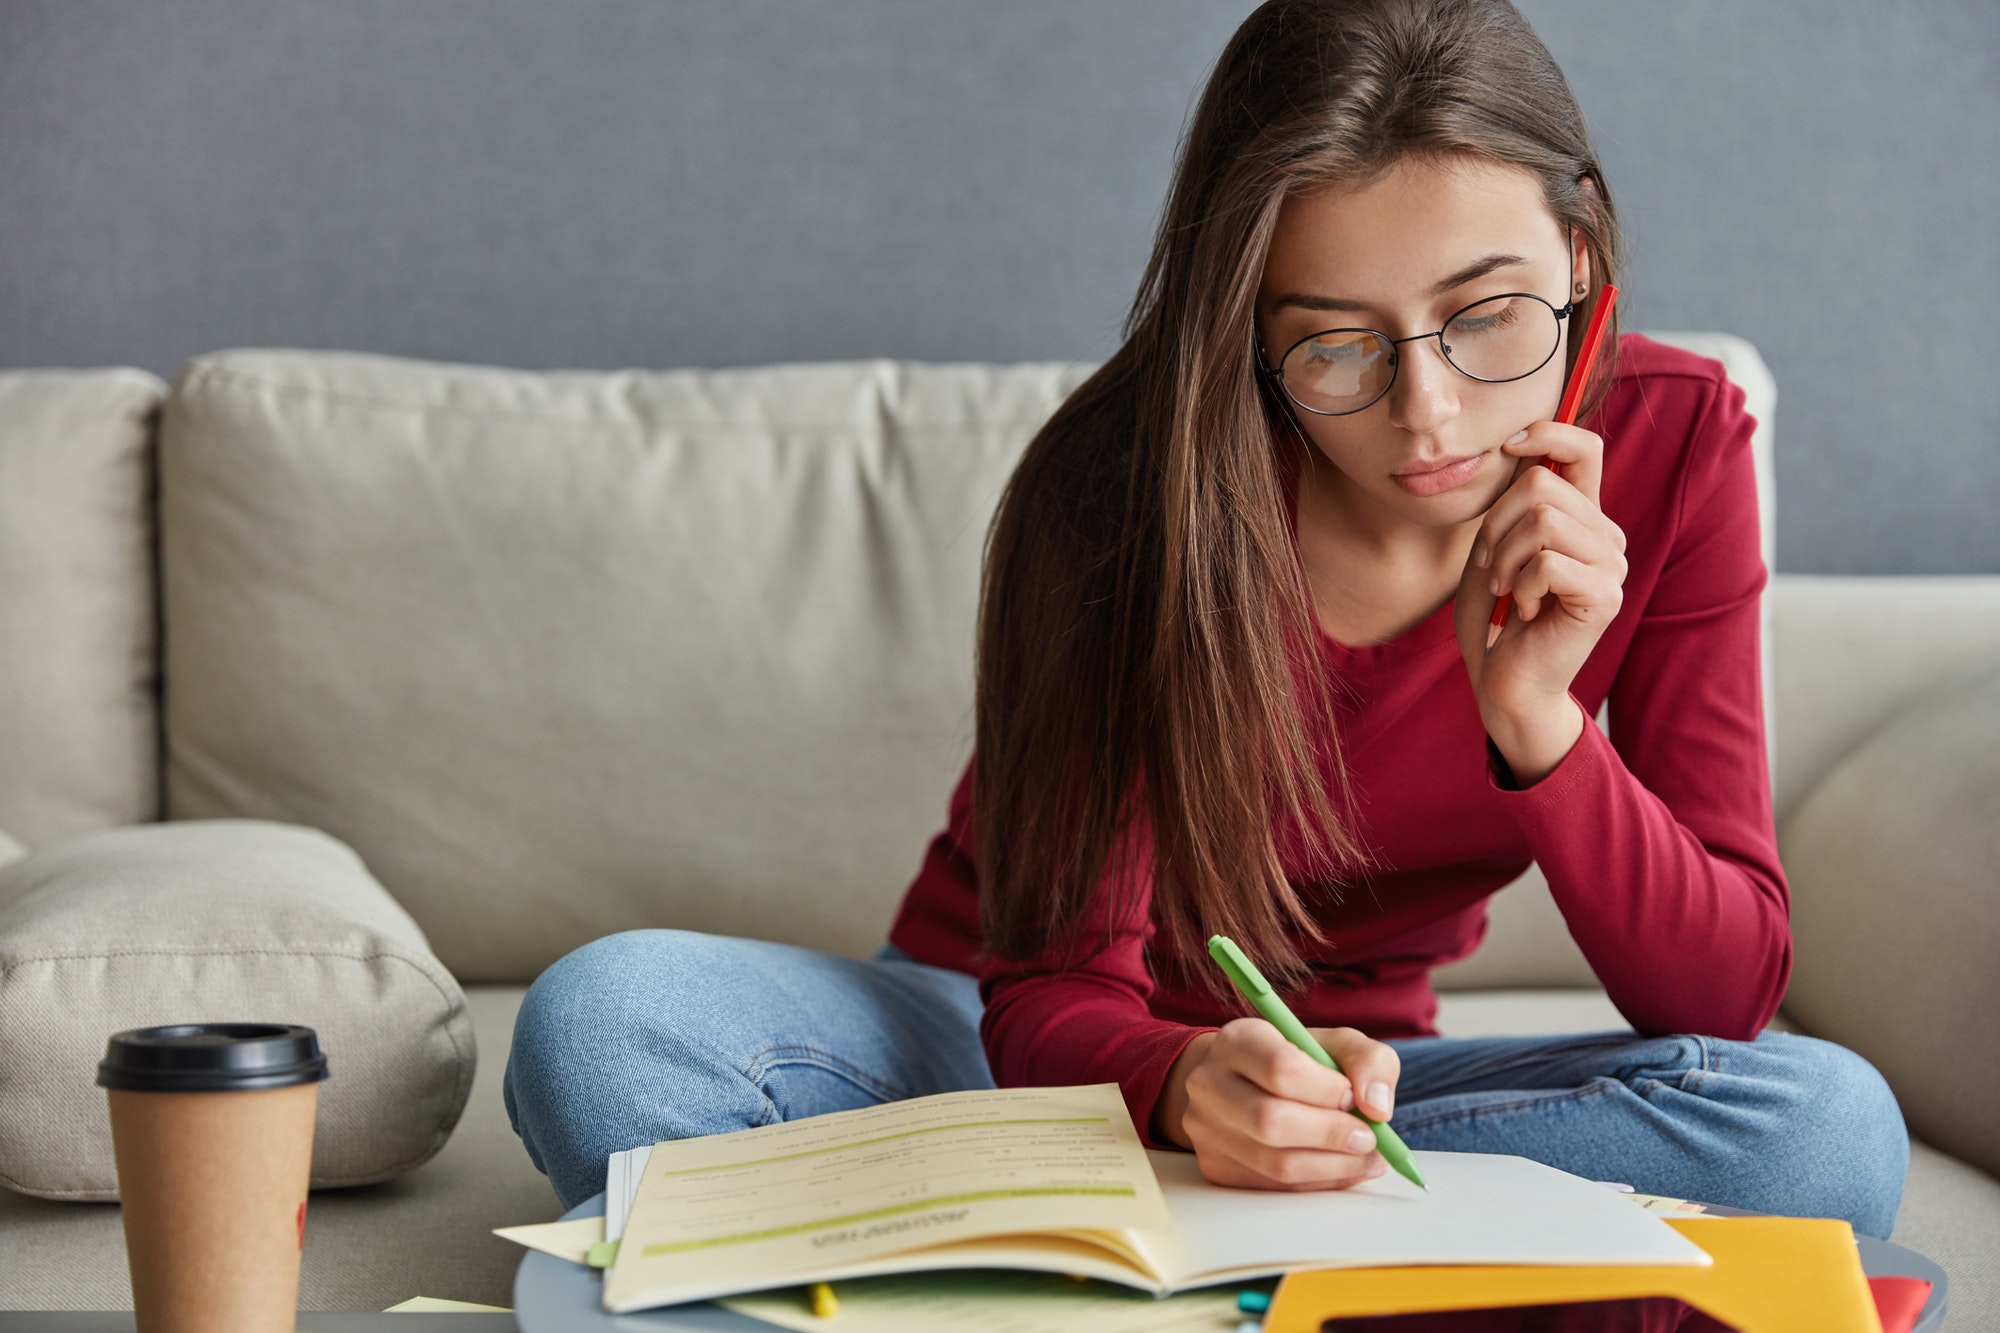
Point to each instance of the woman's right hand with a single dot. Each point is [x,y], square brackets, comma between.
[1260,1113]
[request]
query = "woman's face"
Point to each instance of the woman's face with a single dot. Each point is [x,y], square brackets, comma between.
[1402,255]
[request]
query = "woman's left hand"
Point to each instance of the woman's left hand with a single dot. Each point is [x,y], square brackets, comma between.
[1546,541]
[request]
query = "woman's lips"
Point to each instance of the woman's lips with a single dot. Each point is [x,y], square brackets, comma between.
[1439,480]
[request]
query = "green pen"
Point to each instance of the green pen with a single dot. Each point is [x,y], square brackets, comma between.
[1265,1001]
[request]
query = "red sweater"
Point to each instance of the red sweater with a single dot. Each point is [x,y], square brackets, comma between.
[1658,844]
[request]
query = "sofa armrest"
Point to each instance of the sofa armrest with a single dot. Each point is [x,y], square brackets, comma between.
[1838,674]
[1894,863]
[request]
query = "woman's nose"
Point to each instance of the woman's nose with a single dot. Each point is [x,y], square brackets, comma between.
[1425,394]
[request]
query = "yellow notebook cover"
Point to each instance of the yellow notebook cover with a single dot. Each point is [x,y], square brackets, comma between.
[1770,1275]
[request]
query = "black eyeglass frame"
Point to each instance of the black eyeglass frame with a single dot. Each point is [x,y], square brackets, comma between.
[1277,376]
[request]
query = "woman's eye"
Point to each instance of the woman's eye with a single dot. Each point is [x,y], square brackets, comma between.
[1506,316]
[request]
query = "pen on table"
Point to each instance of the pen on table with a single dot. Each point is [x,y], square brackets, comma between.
[825,1304]
[1247,979]
[1579,376]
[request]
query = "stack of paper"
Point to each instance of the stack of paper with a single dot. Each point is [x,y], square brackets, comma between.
[1054,1180]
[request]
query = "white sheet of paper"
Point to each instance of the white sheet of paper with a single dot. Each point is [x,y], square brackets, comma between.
[1482,1208]
[569,1240]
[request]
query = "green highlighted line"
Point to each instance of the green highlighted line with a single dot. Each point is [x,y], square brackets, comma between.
[886,1138]
[914,1206]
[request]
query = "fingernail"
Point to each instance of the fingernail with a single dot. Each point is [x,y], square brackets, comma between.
[1480,555]
[1518,436]
[1347,1099]
[1361,1141]
[1493,585]
[1380,1097]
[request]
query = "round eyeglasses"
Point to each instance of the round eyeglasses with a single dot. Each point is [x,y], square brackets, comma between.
[1342,371]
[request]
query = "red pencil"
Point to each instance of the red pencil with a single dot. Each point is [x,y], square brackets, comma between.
[1566,414]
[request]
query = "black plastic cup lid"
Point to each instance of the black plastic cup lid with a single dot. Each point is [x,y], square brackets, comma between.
[211,1057]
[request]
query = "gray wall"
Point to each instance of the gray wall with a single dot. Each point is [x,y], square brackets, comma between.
[609,183]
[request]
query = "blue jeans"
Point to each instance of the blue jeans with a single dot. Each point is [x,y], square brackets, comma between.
[667,1034]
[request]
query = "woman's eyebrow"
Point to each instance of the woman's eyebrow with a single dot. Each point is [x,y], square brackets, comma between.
[1470,273]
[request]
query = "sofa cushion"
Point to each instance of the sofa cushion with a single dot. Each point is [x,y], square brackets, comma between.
[1543,1011]
[79,718]
[569,653]
[216,921]
[1894,862]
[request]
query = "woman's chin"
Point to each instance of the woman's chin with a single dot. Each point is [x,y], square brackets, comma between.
[1450,509]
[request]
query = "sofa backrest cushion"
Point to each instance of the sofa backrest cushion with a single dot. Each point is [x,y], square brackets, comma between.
[79,676]
[566,653]
[561,654]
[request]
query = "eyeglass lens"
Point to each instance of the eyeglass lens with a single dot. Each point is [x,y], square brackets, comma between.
[1504,338]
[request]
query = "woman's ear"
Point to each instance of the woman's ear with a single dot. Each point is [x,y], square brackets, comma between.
[1579,267]
[1579,260]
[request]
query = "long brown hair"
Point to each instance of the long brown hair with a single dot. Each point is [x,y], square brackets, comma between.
[1151,699]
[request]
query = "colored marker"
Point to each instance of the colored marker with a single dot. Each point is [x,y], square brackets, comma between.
[1265,1001]
[1566,414]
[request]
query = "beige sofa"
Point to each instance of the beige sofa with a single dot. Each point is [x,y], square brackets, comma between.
[562,654]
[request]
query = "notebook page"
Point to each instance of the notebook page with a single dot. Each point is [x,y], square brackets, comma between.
[765,1206]
[1482,1208]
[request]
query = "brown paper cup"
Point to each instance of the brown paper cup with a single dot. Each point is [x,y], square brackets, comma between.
[214,1161]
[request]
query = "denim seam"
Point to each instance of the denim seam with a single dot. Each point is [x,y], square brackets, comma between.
[764,1061]
[1691,1080]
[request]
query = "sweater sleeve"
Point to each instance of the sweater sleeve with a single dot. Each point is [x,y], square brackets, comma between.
[1088,1023]
[1047,1023]
[1658,843]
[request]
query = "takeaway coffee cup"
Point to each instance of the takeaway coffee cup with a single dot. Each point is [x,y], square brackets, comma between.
[212,1124]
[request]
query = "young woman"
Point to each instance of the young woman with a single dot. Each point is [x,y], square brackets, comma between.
[1233,676]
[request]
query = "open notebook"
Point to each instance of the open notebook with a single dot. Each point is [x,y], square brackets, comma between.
[1055,1180]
